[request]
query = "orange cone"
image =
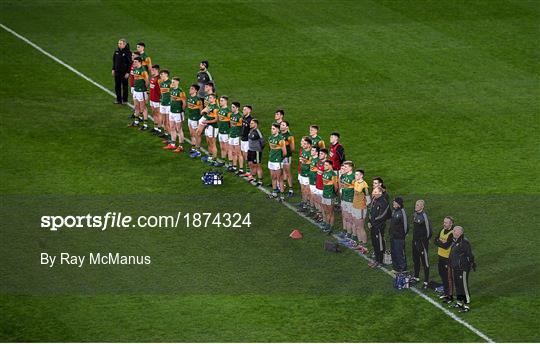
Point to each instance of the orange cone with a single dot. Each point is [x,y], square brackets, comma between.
[296,234]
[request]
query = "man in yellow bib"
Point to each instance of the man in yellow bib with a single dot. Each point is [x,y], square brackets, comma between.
[444,241]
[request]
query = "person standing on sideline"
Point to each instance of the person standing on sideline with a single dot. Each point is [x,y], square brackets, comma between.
[377,222]
[398,230]
[444,241]
[421,235]
[244,140]
[120,71]
[254,154]
[461,262]
[337,152]
[203,78]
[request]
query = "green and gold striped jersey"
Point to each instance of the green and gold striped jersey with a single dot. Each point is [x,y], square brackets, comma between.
[276,143]
[236,125]
[224,116]
[165,89]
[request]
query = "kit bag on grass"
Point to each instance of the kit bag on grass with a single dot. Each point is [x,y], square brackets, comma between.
[401,281]
[212,178]
[331,246]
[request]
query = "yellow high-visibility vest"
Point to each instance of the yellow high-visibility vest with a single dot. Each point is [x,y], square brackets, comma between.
[444,238]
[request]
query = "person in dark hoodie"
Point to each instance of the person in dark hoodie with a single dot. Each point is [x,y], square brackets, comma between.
[377,222]
[443,241]
[461,261]
[421,235]
[203,77]
[398,231]
[121,63]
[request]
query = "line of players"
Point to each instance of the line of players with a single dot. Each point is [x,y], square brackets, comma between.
[322,173]
[325,177]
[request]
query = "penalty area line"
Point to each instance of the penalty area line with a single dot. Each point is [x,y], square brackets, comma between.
[286,204]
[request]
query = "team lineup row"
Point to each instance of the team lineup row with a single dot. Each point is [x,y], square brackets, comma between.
[327,180]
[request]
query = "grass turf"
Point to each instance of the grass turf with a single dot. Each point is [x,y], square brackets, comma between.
[440,99]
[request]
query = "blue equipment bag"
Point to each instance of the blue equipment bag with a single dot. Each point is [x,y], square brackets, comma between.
[212,178]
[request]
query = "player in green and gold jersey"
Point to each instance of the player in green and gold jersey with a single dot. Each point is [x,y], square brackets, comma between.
[209,89]
[287,160]
[304,171]
[361,201]
[346,188]
[140,85]
[315,138]
[235,155]
[178,104]
[193,114]
[208,124]
[164,100]
[224,120]
[277,151]
[146,60]
[330,185]
[314,203]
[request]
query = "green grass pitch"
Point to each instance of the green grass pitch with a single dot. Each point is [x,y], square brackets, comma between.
[441,98]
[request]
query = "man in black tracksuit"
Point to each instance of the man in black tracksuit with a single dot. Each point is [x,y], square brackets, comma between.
[461,262]
[203,77]
[120,71]
[421,235]
[244,138]
[443,241]
[398,231]
[377,222]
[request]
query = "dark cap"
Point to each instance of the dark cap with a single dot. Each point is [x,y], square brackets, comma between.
[399,201]
[205,63]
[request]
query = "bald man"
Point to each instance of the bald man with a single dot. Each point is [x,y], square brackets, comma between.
[461,262]
[421,235]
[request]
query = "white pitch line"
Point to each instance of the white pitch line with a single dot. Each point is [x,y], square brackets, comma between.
[286,204]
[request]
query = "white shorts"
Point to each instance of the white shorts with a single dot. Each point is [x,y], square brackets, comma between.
[210,131]
[139,96]
[274,166]
[346,206]
[165,109]
[286,160]
[358,213]
[224,138]
[313,189]
[244,146]
[193,124]
[235,141]
[176,117]
[303,180]
[326,201]
[154,104]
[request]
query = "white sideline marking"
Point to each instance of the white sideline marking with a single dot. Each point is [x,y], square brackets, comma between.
[286,204]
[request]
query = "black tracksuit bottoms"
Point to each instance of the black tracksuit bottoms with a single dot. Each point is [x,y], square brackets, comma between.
[461,281]
[420,256]
[443,272]
[121,87]
[377,240]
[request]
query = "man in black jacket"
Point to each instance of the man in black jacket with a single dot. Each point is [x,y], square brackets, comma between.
[377,222]
[203,77]
[244,139]
[120,71]
[421,235]
[461,262]
[398,231]
[444,241]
